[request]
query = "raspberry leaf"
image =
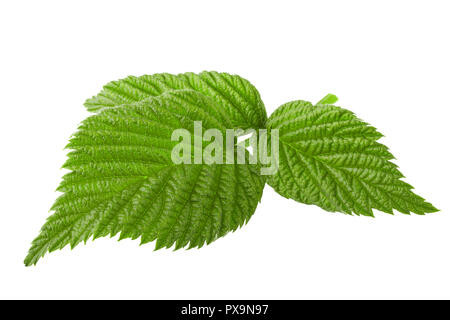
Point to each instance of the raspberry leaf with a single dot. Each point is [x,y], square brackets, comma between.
[123,180]
[330,158]
[237,96]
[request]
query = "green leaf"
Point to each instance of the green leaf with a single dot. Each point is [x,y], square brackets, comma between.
[124,181]
[239,99]
[330,158]
[328,99]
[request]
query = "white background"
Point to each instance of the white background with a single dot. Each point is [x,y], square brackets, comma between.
[388,61]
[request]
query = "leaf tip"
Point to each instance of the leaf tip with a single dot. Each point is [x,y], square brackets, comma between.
[30,260]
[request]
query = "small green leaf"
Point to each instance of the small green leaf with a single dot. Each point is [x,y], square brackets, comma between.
[330,158]
[123,180]
[328,99]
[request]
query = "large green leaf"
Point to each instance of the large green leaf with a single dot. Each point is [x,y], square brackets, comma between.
[124,181]
[330,158]
[239,99]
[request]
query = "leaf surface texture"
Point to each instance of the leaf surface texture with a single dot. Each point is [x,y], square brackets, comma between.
[237,96]
[123,181]
[330,158]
